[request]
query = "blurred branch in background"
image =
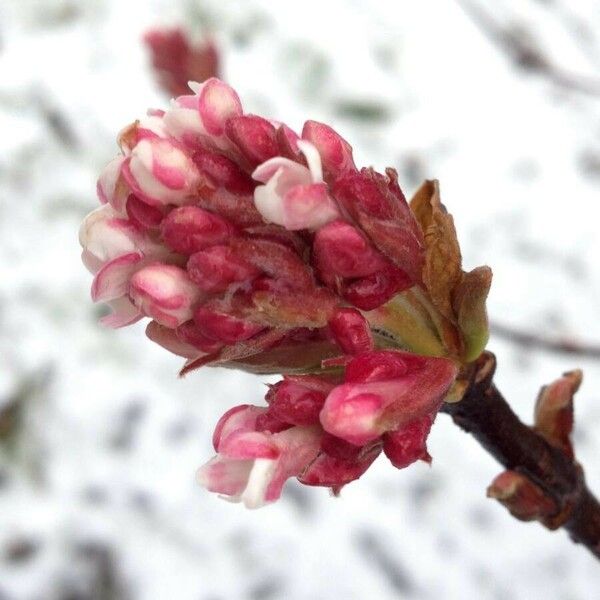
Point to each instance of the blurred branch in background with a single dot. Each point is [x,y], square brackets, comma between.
[17,441]
[177,59]
[519,45]
[528,339]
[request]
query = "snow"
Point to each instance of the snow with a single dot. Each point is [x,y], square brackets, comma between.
[97,493]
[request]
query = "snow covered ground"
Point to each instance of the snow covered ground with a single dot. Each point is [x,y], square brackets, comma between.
[100,440]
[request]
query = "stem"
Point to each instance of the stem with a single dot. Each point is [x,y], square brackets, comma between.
[484,413]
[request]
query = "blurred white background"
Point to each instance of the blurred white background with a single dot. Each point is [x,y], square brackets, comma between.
[99,440]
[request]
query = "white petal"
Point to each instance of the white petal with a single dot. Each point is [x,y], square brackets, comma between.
[313,158]
[268,202]
[260,476]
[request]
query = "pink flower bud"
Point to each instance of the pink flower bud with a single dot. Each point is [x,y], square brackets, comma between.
[188,229]
[142,214]
[105,235]
[383,391]
[339,463]
[268,422]
[368,293]
[151,127]
[202,117]
[351,331]
[215,269]
[280,305]
[223,172]
[252,466]
[291,402]
[378,205]
[341,249]
[191,334]
[276,260]
[408,444]
[288,142]
[254,137]
[223,327]
[335,151]
[164,293]
[160,173]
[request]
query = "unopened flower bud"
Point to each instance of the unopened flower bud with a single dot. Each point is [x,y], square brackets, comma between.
[142,214]
[160,172]
[408,443]
[292,402]
[223,327]
[351,331]
[164,293]
[254,137]
[383,391]
[223,172]
[378,205]
[335,151]
[341,249]
[189,229]
[339,463]
[215,269]
[203,115]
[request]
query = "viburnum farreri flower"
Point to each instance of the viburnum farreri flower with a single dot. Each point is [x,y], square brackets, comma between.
[252,247]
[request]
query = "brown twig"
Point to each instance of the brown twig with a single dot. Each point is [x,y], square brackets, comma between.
[529,340]
[521,49]
[484,413]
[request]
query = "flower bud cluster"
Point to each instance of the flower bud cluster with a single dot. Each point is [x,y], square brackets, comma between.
[250,245]
[327,431]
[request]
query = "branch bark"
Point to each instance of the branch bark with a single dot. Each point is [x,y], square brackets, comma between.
[484,413]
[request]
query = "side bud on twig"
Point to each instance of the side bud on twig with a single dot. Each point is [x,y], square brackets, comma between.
[553,420]
[553,415]
[523,499]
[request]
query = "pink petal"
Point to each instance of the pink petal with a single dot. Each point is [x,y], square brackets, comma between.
[308,207]
[295,173]
[112,280]
[225,476]
[123,313]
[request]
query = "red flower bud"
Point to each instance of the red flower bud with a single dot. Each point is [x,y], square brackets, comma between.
[223,327]
[408,444]
[215,269]
[190,228]
[335,151]
[351,331]
[254,137]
